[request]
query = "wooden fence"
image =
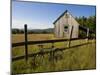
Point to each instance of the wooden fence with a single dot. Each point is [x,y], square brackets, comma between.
[42,52]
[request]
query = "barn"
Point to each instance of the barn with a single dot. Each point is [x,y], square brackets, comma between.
[63,25]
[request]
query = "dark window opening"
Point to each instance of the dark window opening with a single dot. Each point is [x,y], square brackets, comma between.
[65,28]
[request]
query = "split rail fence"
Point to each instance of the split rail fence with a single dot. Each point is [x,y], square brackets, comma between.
[52,50]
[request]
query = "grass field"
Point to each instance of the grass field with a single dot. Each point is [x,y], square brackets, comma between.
[31,37]
[82,57]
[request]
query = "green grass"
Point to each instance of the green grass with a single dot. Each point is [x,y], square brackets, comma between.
[79,58]
[82,57]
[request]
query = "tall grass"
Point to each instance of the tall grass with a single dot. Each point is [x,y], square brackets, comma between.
[79,58]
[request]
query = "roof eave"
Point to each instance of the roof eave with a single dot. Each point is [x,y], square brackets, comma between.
[60,16]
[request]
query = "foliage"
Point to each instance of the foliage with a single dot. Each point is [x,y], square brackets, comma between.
[33,31]
[15,31]
[89,22]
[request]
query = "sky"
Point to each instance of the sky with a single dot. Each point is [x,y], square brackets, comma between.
[42,15]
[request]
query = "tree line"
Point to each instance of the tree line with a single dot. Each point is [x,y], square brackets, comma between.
[89,22]
[33,31]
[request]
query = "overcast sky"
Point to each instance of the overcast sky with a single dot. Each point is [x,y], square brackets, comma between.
[42,15]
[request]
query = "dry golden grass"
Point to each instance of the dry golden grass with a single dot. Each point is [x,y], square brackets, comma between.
[31,37]
[79,58]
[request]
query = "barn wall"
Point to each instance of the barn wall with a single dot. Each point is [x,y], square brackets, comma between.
[61,26]
[63,22]
[56,29]
[70,21]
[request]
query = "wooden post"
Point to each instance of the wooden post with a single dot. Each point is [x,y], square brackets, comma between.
[70,36]
[41,53]
[51,52]
[52,56]
[87,34]
[26,43]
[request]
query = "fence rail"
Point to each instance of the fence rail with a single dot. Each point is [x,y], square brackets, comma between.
[26,43]
[46,52]
[45,41]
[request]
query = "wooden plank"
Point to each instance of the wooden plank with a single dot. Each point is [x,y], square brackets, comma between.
[44,41]
[18,44]
[70,36]
[87,34]
[26,43]
[46,52]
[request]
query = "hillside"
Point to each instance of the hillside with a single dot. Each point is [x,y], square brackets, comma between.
[35,31]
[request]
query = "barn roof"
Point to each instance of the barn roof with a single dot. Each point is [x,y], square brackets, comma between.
[80,26]
[60,16]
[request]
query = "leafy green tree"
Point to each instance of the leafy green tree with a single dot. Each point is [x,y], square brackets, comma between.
[89,22]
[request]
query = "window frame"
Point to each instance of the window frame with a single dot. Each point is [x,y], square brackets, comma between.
[66,28]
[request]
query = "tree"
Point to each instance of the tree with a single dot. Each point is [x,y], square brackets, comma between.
[89,22]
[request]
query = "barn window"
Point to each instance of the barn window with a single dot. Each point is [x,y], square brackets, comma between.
[66,28]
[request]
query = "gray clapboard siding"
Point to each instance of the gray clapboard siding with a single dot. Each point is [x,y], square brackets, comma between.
[63,26]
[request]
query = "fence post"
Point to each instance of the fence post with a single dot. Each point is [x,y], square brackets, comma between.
[70,36]
[52,56]
[87,34]
[26,43]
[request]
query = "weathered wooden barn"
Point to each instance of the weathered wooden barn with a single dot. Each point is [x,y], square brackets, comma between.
[63,25]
